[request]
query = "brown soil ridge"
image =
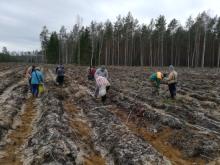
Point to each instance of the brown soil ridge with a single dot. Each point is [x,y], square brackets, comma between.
[158,141]
[83,136]
[19,136]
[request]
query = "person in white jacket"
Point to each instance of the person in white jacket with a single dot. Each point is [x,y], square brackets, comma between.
[102,71]
[102,86]
[172,81]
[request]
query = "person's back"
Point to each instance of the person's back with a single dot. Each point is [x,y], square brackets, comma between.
[60,71]
[102,81]
[101,72]
[36,77]
[102,86]
[153,77]
[60,74]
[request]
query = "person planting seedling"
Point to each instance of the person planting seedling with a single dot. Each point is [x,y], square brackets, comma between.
[156,79]
[102,71]
[102,86]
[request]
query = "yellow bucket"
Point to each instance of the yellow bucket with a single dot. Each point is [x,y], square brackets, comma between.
[41,88]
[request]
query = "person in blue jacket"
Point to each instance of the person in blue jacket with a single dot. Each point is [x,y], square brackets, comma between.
[36,79]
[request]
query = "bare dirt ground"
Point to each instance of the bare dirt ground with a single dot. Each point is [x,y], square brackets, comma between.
[66,125]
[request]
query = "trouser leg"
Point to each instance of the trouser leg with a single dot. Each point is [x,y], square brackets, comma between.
[107,88]
[96,91]
[35,90]
[29,83]
[172,89]
[61,80]
[104,97]
[155,88]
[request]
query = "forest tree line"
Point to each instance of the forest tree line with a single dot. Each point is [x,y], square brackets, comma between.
[25,57]
[126,42]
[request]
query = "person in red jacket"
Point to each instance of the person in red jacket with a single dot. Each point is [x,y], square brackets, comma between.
[91,72]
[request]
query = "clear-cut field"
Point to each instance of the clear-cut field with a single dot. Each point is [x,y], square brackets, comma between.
[68,126]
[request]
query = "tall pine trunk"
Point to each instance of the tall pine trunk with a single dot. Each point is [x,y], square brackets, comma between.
[218,60]
[118,51]
[188,52]
[141,53]
[106,54]
[158,52]
[172,49]
[203,51]
[151,53]
[113,51]
[78,52]
[100,50]
[162,50]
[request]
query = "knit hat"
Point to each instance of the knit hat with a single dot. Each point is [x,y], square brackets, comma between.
[171,67]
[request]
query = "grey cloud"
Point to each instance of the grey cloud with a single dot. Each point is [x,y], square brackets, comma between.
[21,21]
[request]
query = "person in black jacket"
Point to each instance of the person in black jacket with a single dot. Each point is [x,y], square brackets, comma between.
[60,74]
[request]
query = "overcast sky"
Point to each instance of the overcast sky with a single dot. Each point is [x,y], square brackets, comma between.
[21,21]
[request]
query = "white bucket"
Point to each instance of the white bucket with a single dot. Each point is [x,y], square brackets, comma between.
[102,91]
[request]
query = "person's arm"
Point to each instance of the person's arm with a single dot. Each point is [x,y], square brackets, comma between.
[56,70]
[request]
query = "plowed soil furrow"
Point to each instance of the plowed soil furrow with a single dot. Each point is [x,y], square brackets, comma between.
[8,80]
[159,141]
[204,127]
[67,125]
[201,123]
[105,124]
[88,155]
[7,72]
[52,141]
[18,136]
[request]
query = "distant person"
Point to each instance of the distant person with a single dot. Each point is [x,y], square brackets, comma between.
[156,79]
[102,71]
[60,74]
[28,73]
[172,81]
[36,80]
[102,86]
[91,72]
